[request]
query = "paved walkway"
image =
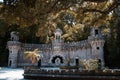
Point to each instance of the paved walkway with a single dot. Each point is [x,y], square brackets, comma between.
[11,74]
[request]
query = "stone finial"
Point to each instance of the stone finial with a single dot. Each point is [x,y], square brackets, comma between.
[14,36]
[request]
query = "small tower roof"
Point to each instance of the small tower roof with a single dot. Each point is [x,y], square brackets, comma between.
[58,31]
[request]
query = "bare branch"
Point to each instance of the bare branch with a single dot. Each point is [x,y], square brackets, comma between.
[96,0]
[106,11]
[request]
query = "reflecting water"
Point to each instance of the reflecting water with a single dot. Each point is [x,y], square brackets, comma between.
[11,74]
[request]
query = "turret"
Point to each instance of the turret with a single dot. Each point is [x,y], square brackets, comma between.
[57,57]
[97,41]
[58,33]
[57,42]
[13,46]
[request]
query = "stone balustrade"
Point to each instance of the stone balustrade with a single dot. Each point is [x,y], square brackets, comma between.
[72,72]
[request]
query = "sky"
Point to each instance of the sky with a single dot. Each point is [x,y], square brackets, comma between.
[1,0]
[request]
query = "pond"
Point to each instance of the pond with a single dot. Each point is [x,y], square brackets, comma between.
[11,74]
[14,74]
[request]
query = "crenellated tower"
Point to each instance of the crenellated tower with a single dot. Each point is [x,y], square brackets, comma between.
[13,46]
[57,56]
[97,41]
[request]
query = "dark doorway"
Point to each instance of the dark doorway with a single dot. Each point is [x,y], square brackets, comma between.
[39,63]
[99,63]
[77,62]
[10,63]
[57,57]
[96,32]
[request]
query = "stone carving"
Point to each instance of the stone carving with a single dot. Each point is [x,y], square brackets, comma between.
[57,61]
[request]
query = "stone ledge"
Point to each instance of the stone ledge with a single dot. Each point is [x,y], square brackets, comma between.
[72,74]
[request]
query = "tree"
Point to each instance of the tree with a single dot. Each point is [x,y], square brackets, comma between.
[46,14]
[112,45]
[32,56]
[73,17]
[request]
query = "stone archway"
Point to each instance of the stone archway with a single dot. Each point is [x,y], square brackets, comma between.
[76,61]
[57,60]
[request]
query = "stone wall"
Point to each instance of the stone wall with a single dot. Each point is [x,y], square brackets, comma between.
[59,53]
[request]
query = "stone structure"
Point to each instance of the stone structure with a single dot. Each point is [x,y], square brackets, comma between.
[59,53]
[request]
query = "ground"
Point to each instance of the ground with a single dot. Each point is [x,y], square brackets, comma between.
[11,74]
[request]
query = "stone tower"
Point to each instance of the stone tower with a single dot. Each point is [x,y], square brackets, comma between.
[13,46]
[97,41]
[57,57]
[57,42]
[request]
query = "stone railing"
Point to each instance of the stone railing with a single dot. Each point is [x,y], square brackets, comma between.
[72,72]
